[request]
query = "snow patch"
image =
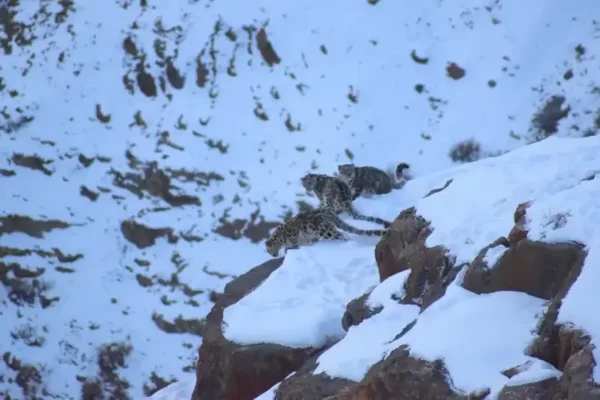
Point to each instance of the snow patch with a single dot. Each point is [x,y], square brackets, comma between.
[536,371]
[302,302]
[493,255]
[365,344]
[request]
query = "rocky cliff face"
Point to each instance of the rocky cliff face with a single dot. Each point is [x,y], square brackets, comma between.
[559,360]
[227,371]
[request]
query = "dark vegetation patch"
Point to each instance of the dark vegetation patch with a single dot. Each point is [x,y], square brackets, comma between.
[28,378]
[255,228]
[143,236]
[108,383]
[179,325]
[466,151]
[33,162]
[545,121]
[31,227]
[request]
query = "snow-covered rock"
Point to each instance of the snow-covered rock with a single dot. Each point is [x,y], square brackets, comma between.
[491,312]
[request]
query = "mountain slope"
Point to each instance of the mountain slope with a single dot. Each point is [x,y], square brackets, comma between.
[147,149]
[479,308]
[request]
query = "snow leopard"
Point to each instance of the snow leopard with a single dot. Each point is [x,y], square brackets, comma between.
[336,195]
[368,181]
[309,227]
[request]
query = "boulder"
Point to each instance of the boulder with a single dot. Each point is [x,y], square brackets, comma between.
[545,270]
[357,311]
[542,390]
[401,376]
[536,268]
[229,371]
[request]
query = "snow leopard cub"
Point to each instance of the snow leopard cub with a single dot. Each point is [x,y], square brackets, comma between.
[368,181]
[336,195]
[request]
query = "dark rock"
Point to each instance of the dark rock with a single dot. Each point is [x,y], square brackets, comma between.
[545,121]
[437,190]
[303,385]
[536,268]
[357,311]
[455,72]
[266,48]
[406,238]
[576,381]
[227,370]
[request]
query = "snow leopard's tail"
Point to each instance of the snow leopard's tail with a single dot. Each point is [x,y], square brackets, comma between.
[356,215]
[399,172]
[365,232]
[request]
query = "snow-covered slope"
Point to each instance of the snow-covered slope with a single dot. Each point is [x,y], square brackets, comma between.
[123,114]
[483,335]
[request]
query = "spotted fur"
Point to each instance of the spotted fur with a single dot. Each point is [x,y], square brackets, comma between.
[368,181]
[336,195]
[312,226]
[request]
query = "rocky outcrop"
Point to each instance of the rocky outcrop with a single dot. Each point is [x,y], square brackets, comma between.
[544,270]
[404,248]
[226,370]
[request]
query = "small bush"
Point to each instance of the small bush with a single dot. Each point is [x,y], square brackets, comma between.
[466,151]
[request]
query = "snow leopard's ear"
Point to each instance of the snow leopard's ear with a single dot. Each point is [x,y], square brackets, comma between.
[346,169]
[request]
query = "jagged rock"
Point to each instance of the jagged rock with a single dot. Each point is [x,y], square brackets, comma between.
[404,248]
[226,370]
[303,385]
[519,230]
[576,382]
[401,376]
[357,311]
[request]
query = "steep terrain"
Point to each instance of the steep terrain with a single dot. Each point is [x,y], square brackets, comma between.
[484,295]
[147,149]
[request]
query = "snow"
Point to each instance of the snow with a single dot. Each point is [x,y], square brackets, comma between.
[493,255]
[554,167]
[72,67]
[332,273]
[535,371]
[181,390]
[477,336]
[352,356]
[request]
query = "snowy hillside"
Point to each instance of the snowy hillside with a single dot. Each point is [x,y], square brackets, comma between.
[148,148]
[478,314]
